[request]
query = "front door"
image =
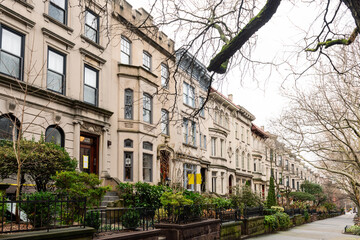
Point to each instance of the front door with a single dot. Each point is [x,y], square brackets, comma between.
[89,153]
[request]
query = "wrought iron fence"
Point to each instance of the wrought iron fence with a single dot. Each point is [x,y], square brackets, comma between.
[185,214]
[228,215]
[253,211]
[117,219]
[30,215]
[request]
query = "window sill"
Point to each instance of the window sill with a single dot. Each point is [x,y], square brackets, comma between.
[60,24]
[220,158]
[189,145]
[95,44]
[193,108]
[25,4]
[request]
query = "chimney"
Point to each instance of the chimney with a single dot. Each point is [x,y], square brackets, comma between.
[230,96]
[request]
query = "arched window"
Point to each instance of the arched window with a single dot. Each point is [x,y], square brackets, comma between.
[55,135]
[237,158]
[128,143]
[9,125]
[243,160]
[248,162]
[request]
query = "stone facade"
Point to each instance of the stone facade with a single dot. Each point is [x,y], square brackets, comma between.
[121,100]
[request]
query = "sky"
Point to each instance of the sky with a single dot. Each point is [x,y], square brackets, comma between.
[278,38]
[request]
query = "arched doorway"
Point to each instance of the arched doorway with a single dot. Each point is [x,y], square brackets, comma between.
[164,166]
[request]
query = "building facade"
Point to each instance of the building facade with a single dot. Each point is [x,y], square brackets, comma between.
[104,83]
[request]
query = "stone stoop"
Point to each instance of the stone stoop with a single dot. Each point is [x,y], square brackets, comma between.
[109,198]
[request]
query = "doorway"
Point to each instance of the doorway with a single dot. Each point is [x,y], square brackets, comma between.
[89,153]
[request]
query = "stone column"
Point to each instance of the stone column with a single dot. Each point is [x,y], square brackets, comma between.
[76,151]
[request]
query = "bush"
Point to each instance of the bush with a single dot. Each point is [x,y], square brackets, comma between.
[284,220]
[277,209]
[271,198]
[174,199]
[92,219]
[40,213]
[3,207]
[353,230]
[271,221]
[306,215]
[222,203]
[131,219]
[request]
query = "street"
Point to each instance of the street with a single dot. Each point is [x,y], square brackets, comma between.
[330,228]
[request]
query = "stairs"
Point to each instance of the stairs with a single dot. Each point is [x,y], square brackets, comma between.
[109,197]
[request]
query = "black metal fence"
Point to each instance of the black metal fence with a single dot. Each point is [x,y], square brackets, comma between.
[293,211]
[117,219]
[30,215]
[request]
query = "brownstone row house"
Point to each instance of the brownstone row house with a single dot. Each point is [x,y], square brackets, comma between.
[103,82]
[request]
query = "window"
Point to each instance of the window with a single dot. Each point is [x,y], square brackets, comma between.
[222,182]
[247,137]
[248,162]
[55,135]
[125,50]
[202,141]
[204,144]
[9,125]
[189,176]
[287,181]
[128,104]
[147,108]
[293,183]
[213,146]
[164,76]
[58,10]
[237,158]
[221,147]
[148,146]
[213,187]
[280,160]
[297,186]
[128,143]
[287,165]
[189,94]
[202,111]
[92,26]
[242,133]
[255,165]
[292,168]
[12,53]
[243,160]
[128,166]
[147,61]
[280,178]
[90,85]
[147,167]
[189,128]
[56,71]
[236,130]
[164,122]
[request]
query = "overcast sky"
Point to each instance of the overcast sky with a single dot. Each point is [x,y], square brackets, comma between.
[279,36]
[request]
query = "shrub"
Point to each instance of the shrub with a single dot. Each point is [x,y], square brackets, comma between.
[306,215]
[41,212]
[353,229]
[92,219]
[174,199]
[3,207]
[277,209]
[284,220]
[271,221]
[131,219]
[222,202]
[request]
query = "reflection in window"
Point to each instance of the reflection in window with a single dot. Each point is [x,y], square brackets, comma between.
[9,126]
[128,104]
[128,166]
[147,167]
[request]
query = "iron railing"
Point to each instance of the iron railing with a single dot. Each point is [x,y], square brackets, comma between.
[117,219]
[46,214]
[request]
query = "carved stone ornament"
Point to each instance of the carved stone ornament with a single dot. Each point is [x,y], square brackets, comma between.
[92,128]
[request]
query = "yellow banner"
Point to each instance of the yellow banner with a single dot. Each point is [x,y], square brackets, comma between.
[198,178]
[191,178]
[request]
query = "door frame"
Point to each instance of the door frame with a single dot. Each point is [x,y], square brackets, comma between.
[95,144]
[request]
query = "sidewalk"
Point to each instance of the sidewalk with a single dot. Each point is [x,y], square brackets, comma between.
[329,229]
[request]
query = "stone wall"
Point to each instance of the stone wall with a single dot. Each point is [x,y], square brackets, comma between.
[231,230]
[254,226]
[203,230]
[298,219]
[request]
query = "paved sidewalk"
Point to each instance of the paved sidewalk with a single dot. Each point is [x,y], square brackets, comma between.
[330,229]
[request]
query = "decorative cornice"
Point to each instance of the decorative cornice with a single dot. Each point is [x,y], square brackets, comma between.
[57,37]
[14,15]
[92,56]
[216,130]
[35,91]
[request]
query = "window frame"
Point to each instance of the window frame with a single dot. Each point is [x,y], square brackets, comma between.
[146,168]
[149,111]
[97,40]
[213,146]
[130,141]
[189,169]
[97,85]
[165,76]
[189,133]
[22,51]
[147,54]
[65,10]
[127,105]
[186,95]
[165,122]
[63,89]
[131,166]
[61,132]
[201,103]
[123,40]
[15,123]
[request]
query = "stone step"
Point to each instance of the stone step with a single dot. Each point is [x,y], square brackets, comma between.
[112,193]
[110,198]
